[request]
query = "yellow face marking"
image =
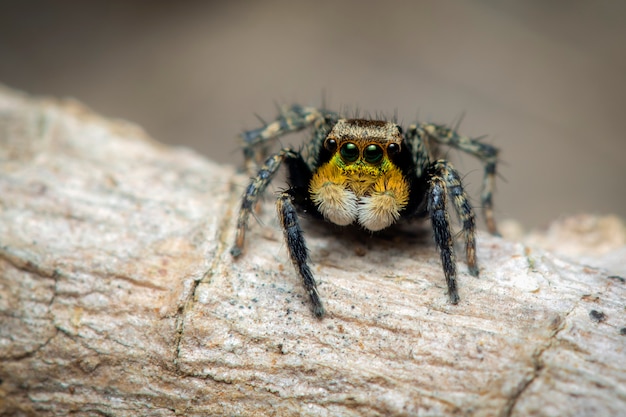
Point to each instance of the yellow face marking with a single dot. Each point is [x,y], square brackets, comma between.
[359,176]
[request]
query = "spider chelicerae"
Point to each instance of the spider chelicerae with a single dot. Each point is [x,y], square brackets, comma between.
[370,173]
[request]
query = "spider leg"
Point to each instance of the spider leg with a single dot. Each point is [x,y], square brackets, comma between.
[291,119]
[443,238]
[483,151]
[297,248]
[463,208]
[257,185]
[445,182]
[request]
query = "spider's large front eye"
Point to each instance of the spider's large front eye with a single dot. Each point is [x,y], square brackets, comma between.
[373,154]
[349,152]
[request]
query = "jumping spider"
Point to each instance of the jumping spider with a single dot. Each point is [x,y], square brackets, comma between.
[369,173]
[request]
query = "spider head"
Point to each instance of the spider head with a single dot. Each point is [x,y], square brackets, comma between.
[363,142]
[360,182]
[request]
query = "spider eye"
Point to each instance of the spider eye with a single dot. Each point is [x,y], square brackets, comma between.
[349,152]
[373,154]
[330,145]
[393,149]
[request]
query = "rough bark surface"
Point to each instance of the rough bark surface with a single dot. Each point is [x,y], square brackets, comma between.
[118,297]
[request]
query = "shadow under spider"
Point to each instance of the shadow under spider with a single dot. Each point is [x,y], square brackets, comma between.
[396,240]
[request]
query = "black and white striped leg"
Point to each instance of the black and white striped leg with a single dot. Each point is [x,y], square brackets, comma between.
[297,249]
[291,119]
[483,151]
[463,208]
[254,190]
[437,210]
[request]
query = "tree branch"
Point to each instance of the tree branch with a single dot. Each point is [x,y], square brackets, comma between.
[118,297]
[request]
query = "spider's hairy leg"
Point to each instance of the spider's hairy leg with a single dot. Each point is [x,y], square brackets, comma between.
[253,191]
[483,151]
[297,248]
[291,119]
[463,208]
[437,210]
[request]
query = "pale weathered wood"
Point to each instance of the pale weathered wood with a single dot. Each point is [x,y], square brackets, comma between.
[118,297]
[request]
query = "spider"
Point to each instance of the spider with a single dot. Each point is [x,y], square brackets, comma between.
[369,173]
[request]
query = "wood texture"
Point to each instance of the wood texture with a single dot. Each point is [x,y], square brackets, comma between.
[118,297]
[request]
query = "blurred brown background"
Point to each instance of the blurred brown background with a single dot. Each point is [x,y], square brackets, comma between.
[545,80]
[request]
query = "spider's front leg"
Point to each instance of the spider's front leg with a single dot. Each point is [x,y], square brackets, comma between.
[287,215]
[488,154]
[444,182]
[255,189]
[298,251]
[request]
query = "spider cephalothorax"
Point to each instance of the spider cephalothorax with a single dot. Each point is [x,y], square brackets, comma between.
[367,173]
[360,183]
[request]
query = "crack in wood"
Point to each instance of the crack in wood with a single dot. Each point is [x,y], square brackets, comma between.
[220,249]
